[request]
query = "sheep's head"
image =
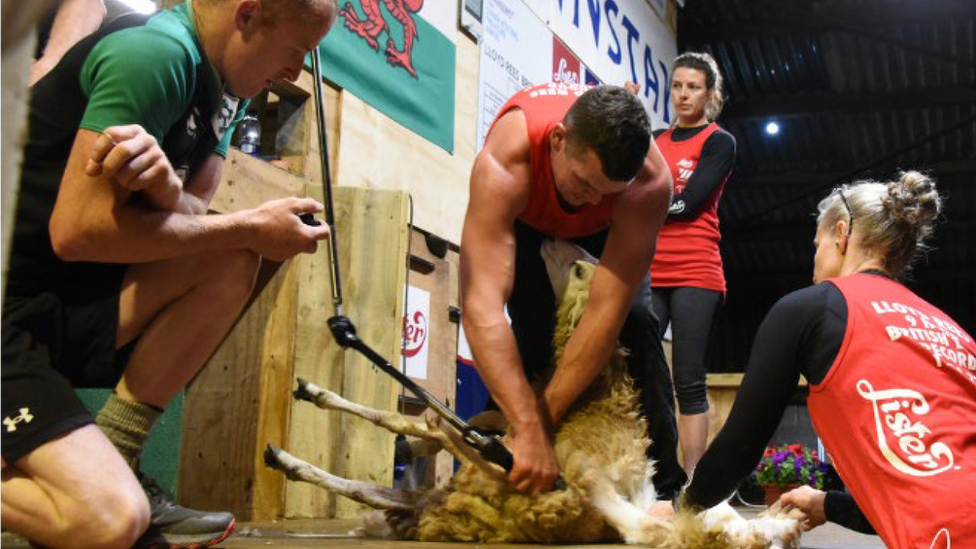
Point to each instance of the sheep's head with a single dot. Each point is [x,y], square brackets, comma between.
[560,257]
[570,270]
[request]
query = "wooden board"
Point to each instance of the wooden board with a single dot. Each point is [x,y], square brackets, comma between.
[312,432]
[722,390]
[442,341]
[332,101]
[371,228]
[248,182]
[441,379]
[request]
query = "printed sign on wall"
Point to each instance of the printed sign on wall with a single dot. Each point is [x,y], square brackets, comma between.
[566,68]
[416,333]
[620,41]
[586,41]
[516,52]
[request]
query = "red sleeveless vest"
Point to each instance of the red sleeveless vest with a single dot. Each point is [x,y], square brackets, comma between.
[687,251]
[544,106]
[897,413]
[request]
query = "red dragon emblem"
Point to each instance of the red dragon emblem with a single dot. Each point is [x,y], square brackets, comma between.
[370,27]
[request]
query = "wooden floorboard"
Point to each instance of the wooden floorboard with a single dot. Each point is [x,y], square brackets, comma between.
[302,533]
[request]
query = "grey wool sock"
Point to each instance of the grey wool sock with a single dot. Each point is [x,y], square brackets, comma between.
[127,424]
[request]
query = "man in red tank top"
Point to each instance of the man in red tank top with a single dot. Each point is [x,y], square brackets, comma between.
[563,161]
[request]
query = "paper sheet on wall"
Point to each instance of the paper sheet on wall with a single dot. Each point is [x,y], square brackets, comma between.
[516,51]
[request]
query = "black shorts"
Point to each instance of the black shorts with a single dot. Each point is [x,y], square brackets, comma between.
[53,342]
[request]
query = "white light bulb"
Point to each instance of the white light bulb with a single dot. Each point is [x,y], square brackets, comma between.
[772,128]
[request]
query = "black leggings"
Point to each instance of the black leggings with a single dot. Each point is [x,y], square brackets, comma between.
[692,313]
[532,308]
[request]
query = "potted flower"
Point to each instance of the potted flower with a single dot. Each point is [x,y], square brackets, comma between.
[784,468]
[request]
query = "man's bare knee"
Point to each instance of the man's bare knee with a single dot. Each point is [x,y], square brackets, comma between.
[114,522]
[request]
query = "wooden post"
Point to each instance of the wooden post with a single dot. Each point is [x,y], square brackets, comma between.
[14,63]
[371,229]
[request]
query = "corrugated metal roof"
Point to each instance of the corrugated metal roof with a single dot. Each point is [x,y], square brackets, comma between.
[860,89]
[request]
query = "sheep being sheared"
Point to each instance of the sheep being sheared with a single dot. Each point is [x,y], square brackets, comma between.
[601,449]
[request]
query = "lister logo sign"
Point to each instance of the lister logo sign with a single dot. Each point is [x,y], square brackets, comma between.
[414,333]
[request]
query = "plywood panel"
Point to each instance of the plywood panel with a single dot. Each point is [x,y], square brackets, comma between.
[312,431]
[376,152]
[442,337]
[248,182]
[332,103]
[372,245]
[722,390]
[371,229]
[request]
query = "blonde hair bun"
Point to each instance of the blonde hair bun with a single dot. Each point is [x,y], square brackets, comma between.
[914,201]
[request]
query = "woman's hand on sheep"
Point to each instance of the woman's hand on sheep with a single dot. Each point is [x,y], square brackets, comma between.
[808,500]
[663,510]
[535,467]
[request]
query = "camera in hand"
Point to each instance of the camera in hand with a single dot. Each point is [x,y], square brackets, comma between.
[309,219]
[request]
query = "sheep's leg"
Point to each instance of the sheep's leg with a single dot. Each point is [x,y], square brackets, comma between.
[377,497]
[391,421]
[632,522]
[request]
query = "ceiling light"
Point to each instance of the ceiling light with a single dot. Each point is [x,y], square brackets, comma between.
[141,6]
[772,128]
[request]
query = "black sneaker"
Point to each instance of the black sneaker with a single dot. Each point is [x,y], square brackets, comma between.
[175,527]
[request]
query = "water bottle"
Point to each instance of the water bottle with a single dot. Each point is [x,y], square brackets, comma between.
[250,129]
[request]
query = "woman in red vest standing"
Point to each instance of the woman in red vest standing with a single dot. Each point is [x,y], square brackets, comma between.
[892,380]
[687,281]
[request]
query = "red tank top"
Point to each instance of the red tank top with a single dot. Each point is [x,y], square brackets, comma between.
[897,413]
[544,106]
[687,251]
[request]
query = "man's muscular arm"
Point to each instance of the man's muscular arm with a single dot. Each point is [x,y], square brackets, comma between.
[134,161]
[637,218]
[499,191]
[97,220]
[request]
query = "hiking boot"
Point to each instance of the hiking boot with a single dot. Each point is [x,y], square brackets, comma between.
[174,527]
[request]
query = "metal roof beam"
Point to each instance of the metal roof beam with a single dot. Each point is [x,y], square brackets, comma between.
[816,104]
[804,178]
[833,17]
[792,20]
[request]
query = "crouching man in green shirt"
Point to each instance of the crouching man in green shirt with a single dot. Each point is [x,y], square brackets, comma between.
[117,277]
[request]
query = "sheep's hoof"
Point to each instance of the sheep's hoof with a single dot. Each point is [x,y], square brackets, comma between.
[302,393]
[271,456]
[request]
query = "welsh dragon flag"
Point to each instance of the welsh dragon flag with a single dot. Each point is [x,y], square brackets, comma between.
[398,56]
